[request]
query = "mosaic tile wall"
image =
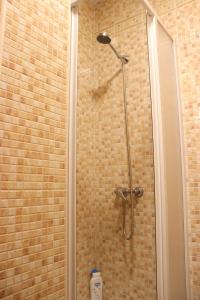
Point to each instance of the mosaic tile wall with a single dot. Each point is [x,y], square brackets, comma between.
[32,154]
[128,267]
[182,17]
[85,151]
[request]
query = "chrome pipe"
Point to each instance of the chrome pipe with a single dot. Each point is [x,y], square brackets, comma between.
[123,194]
[123,59]
[128,150]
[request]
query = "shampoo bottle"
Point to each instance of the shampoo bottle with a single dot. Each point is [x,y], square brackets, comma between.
[96,285]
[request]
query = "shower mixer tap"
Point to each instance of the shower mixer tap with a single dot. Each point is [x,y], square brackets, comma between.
[123,192]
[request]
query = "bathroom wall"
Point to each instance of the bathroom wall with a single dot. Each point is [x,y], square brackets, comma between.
[182,17]
[33,97]
[128,267]
[85,160]
[33,123]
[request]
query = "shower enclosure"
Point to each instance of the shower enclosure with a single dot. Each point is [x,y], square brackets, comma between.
[121,199]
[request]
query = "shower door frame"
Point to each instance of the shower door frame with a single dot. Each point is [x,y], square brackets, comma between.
[158,159]
[71,207]
[159,169]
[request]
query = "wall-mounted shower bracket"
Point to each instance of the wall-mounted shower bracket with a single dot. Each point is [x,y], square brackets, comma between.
[123,192]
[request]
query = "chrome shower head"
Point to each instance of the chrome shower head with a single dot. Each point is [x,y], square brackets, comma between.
[104,38]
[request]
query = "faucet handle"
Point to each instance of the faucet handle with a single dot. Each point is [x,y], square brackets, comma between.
[121,193]
[138,192]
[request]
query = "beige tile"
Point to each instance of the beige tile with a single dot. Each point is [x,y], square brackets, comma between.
[33,144]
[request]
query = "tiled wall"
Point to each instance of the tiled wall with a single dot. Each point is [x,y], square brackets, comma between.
[85,150]
[33,147]
[182,17]
[33,150]
[128,267]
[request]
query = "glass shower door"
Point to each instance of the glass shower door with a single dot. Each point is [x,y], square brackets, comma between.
[169,173]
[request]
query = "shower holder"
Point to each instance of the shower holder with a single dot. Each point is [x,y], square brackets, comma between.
[123,192]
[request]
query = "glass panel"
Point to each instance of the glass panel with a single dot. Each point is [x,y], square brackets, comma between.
[172,165]
[128,266]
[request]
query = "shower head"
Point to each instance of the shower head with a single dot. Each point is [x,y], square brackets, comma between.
[103,38]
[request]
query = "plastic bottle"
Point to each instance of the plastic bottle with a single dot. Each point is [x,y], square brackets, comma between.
[96,285]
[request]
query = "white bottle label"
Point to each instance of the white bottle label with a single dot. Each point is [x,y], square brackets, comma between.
[96,288]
